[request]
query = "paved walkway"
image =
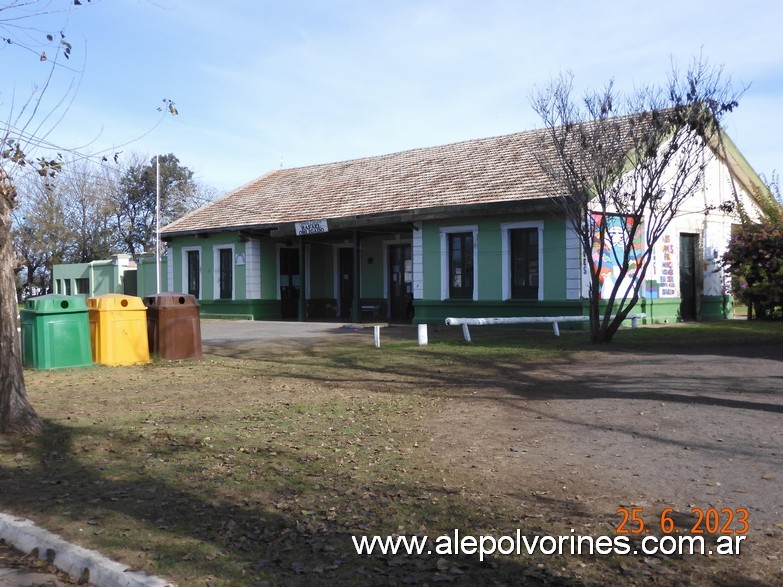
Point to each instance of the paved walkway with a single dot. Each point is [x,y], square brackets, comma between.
[239,331]
[228,332]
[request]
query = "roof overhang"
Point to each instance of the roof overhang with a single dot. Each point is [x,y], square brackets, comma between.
[395,220]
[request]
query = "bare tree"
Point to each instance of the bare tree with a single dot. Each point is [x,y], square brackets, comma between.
[26,127]
[42,230]
[623,165]
[84,191]
[23,132]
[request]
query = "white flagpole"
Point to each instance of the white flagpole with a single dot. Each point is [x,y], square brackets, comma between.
[157,224]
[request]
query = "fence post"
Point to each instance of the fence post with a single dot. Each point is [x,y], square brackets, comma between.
[423,335]
[466,332]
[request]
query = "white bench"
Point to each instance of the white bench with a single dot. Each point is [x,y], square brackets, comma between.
[554,320]
[373,310]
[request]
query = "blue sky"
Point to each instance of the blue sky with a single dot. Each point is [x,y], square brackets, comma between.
[259,84]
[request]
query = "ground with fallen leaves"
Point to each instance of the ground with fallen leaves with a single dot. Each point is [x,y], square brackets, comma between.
[258,465]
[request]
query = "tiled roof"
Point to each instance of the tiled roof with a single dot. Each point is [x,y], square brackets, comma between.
[498,169]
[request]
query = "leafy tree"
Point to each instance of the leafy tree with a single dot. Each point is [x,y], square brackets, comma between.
[623,165]
[755,258]
[136,200]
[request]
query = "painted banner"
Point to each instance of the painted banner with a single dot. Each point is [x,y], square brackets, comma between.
[616,230]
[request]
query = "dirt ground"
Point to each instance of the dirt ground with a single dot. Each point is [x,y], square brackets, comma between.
[577,439]
[653,431]
[585,436]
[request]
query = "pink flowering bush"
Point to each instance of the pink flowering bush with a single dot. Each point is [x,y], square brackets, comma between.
[755,261]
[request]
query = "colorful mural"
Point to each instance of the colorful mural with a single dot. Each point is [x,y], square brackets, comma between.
[616,229]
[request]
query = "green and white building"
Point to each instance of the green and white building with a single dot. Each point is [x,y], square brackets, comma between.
[115,275]
[468,229]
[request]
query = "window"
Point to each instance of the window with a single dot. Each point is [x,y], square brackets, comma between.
[194,274]
[459,262]
[524,263]
[191,271]
[226,274]
[82,285]
[461,265]
[67,286]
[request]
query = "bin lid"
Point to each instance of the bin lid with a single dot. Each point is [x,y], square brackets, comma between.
[170,300]
[115,302]
[55,304]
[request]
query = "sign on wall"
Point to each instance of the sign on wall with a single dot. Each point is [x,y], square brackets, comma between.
[660,281]
[311,227]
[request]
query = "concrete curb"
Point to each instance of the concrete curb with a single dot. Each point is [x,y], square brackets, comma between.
[78,562]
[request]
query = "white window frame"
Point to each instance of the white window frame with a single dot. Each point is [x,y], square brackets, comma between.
[387,244]
[216,272]
[444,258]
[185,251]
[505,229]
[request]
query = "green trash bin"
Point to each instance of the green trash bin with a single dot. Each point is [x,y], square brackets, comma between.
[55,332]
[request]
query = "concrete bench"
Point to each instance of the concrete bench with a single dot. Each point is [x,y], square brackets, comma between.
[553,320]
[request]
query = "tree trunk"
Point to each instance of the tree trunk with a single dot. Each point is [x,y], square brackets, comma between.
[16,413]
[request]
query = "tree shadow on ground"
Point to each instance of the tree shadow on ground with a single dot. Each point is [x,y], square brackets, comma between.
[285,538]
[624,375]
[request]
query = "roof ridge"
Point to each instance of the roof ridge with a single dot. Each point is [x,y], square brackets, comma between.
[412,150]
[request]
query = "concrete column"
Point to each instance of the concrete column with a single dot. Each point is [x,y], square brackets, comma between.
[356,278]
[302,302]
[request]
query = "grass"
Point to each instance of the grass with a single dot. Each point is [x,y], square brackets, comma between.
[256,467]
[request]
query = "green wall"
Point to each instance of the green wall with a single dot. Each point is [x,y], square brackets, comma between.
[371,263]
[489,256]
[145,275]
[105,277]
[208,246]
[554,258]
[429,309]
[268,270]
[321,271]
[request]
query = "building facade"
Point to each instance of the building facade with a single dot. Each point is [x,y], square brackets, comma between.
[469,230]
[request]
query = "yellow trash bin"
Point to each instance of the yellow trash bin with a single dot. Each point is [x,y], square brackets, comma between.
[118,330]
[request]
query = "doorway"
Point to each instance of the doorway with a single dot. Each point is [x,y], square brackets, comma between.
[689,244]
[400,282]
[290,283]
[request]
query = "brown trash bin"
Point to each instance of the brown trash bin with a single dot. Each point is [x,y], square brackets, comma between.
[173,326]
